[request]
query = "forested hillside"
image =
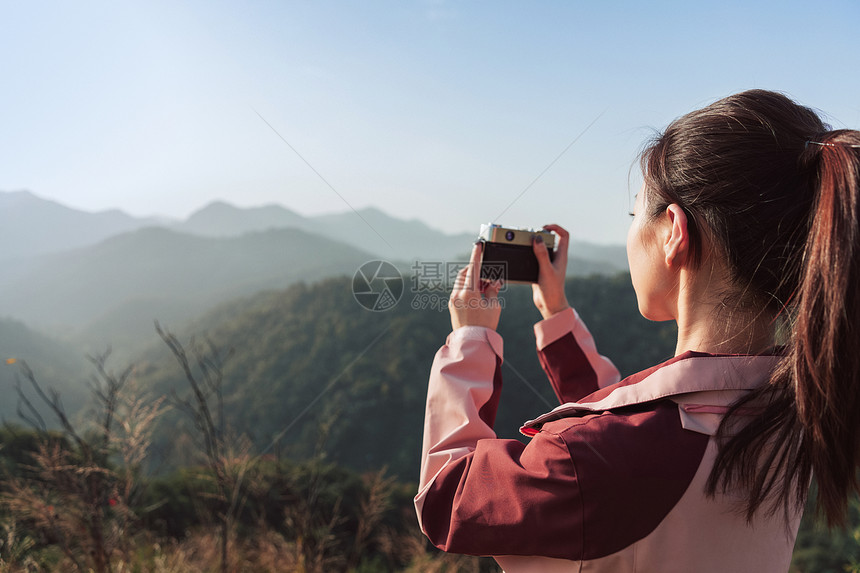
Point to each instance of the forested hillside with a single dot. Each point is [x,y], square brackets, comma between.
[365,374]
[289,346]
[315,467]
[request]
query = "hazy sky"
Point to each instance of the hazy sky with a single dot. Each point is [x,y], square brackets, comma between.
[440,110]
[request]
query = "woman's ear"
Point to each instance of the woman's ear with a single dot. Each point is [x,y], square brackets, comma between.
[677,240]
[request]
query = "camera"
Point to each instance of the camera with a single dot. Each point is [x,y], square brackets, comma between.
[507,253]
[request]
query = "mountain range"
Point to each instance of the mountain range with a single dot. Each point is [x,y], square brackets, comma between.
[30,225]
[102,278]
[77,283]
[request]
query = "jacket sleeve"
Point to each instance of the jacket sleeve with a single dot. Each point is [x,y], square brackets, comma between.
[582,488]
[478,494]
[569,357]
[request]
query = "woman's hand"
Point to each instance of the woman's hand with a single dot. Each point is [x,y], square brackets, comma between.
[548,292]
[473,301]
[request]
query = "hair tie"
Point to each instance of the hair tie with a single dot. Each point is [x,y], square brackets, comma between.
[809,141]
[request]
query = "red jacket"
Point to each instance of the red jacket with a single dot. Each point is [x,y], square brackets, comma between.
[612,480]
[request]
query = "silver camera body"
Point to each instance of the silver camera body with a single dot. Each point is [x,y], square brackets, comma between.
[508,254]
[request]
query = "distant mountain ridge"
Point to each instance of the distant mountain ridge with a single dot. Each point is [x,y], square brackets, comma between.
[153,264]
[31,226]
[369,229]
[221,219]
[102,278]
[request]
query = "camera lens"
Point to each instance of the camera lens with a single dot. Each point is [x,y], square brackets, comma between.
[509,235]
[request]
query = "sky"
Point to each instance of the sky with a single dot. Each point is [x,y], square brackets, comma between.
[455,113]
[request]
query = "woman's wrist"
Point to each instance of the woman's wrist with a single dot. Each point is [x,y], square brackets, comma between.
[548,311]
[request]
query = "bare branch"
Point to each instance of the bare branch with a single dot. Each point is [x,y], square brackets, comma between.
[27,412]
[207,425]
[212,429]
[55,404]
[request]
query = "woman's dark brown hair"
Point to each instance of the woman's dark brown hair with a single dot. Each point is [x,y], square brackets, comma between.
[768,186]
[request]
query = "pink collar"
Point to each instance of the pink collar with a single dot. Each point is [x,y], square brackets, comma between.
[691,372]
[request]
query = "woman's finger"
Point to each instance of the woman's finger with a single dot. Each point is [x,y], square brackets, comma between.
[542,254]
[557,229]
[459,281]
[560,261]
[473,271]
[491,289]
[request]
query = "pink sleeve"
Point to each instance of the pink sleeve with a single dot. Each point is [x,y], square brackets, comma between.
[462,397]
[570,359]
[512,486]
[506,498]
[487,496]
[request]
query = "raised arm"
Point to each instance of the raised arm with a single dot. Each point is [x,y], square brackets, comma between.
[565,347]
[582,488]
[569,357]
[462,398]
[469,479]
[481,495]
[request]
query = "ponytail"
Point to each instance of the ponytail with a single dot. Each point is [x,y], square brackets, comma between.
[810,412]
[824,355]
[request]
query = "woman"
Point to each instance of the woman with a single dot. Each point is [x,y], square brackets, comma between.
[746,234]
